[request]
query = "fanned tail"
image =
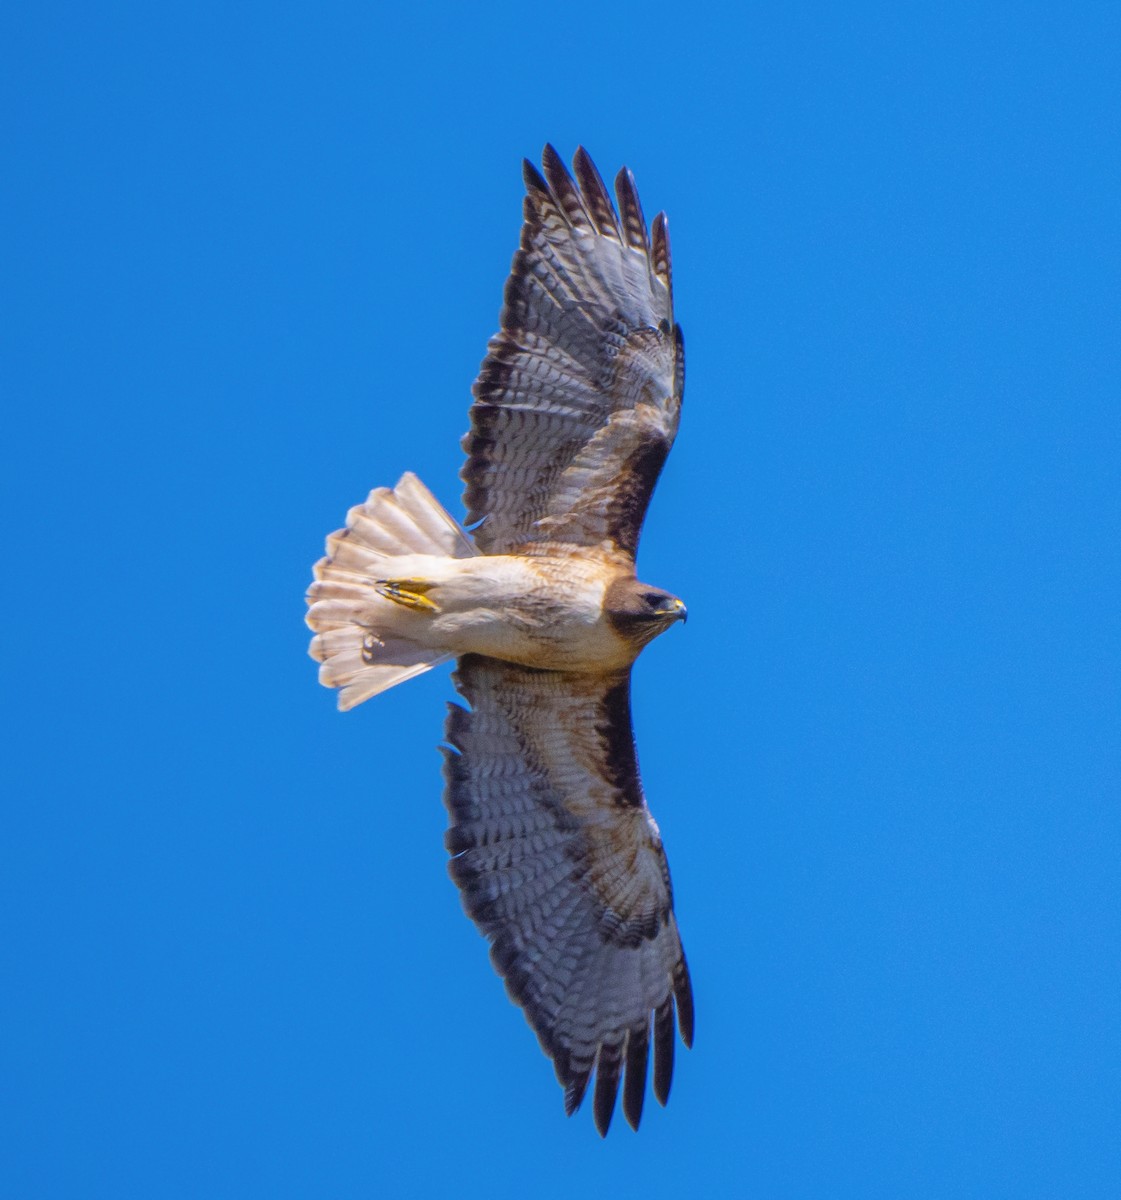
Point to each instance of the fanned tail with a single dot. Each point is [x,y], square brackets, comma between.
[363,641]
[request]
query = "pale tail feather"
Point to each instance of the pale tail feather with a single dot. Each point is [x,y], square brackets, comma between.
[359,650]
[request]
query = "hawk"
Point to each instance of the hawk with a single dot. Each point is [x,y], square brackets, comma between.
[557,857]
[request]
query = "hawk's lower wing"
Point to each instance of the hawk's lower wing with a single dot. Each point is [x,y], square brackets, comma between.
[561,867]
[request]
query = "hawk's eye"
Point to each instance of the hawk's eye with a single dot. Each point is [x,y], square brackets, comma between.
[656,600]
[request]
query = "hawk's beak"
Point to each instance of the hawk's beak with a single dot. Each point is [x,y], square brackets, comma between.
[680,611]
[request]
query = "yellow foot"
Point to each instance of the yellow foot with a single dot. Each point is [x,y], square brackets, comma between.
[409,593]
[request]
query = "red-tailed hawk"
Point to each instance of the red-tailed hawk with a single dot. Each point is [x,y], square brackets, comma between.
[558,859]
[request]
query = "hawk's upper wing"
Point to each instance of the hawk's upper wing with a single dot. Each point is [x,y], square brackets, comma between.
[577,402]
[561,867]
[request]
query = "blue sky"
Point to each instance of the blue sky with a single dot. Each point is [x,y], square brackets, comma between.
[254,254]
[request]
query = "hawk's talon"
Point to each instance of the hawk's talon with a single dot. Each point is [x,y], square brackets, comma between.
[409,593]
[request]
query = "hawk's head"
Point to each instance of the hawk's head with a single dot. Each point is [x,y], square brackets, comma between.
[639,612]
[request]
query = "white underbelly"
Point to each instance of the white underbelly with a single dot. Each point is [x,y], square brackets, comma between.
[534,612]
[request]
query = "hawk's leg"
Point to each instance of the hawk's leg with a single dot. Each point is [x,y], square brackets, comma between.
[409,593]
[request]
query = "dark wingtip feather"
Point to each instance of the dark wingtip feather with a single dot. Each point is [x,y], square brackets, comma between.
[609,1064]
[596,197]
[630,211]
[555,171]
[564,189]
[574,1091]
[634,1084]
[660,256]
[683,994]
[663,1050]
[534,180]
[550,159]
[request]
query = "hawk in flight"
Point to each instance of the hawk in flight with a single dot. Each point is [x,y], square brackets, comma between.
[558,859]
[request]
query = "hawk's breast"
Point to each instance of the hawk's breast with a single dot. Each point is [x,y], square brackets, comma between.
[538,612]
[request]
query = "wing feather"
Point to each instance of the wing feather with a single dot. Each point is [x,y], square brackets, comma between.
[634,1089]
[595,195]
[578,399]
[561,867]
[609,1067]
[630,211]
[663,1050]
